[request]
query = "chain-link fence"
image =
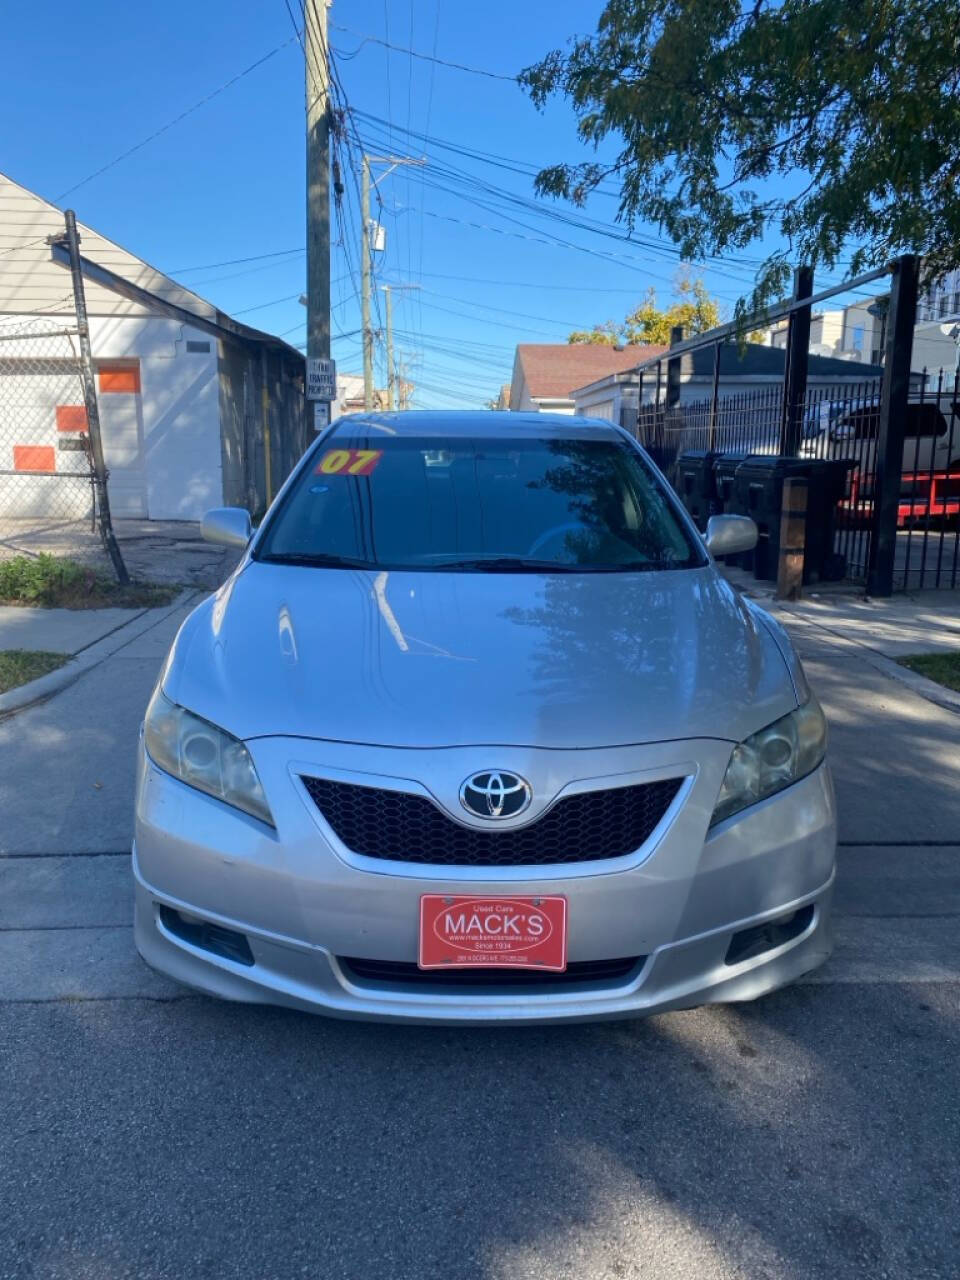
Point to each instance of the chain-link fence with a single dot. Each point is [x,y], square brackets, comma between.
[53,481]
[46,472]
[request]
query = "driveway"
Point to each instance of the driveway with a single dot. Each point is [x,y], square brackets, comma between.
[147,1132]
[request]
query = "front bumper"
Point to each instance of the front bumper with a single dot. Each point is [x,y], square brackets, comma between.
[302,902]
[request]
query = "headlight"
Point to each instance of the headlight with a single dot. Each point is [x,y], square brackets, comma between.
[772,759]
[203,756]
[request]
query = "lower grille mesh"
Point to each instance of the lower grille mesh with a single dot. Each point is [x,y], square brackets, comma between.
[401,827]
[390,971]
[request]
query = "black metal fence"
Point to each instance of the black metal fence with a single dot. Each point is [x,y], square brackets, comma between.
[842,423]
[894,435]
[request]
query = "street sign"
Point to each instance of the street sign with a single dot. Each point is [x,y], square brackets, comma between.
[321,414]
[321,379]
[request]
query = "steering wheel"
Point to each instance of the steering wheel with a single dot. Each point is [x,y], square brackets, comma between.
[549,534]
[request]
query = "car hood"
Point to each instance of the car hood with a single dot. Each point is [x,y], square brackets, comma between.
[457,659]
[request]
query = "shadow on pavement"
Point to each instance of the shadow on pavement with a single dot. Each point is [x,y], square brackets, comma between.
[812,1134]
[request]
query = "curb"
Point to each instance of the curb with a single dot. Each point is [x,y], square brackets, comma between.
[938,694]
[84,660]
[24,695]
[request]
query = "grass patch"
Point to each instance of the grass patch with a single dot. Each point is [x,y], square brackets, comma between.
[942,667]
[17,666]
[54,582]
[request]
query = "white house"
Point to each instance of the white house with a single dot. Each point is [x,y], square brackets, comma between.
[180,385]
[545,374]
[857,332]
[758,368]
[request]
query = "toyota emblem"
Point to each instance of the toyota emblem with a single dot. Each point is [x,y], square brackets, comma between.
[494,793]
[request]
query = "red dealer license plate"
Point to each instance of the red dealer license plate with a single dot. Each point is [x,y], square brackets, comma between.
[529,933]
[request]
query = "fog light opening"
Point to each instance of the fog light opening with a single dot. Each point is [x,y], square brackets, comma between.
[207,936]
[754,941]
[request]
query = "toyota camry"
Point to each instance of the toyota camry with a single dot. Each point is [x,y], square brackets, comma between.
[477,731]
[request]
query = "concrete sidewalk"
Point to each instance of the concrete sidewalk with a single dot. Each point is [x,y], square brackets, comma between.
[60,630]
[90,636]
[880,631]
[925,622]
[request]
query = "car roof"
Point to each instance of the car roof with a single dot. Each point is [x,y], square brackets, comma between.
[493,423]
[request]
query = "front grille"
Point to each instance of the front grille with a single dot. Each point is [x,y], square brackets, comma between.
[396,971]
[401,827]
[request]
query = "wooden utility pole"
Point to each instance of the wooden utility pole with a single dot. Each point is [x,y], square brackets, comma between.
[318,179]
[366,262]
[388,297]
[365,273]
[392,397]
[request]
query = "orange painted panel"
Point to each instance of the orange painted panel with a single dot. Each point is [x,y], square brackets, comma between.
[121,378]
[34,457]
[71,417]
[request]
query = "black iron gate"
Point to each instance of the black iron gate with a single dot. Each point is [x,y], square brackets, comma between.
[898,432]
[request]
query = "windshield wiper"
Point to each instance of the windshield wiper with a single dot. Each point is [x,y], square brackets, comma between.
[521,564]
[318,560]
[505,564]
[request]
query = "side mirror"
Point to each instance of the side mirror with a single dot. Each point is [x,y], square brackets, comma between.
[227,526]
[729,535]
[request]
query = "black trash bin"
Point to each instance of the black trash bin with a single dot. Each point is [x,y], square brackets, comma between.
[725,467]
[759,494]
[696,484]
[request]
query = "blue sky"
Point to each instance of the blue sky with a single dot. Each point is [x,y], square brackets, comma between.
[227,182]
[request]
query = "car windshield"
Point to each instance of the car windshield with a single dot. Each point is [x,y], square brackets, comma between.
[557,504]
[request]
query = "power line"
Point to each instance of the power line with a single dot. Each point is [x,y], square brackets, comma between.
[426,130]
[526,284]
[296,30]
[621,259]
[232,262]
[175,121]
[483,306]
[26,244]
[497,324]
[260,306]
[426,57]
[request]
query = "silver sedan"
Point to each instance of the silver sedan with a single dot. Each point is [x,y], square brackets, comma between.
[477,732]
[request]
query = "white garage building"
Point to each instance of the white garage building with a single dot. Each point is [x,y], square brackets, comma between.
[184,420]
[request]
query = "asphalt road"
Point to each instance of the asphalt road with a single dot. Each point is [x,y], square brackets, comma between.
[148,1133]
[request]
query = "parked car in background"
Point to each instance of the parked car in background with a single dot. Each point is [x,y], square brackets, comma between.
[931,434]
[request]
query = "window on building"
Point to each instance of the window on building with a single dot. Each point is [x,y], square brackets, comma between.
[942,299]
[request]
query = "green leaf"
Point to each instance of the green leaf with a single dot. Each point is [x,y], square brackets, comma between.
[835,123]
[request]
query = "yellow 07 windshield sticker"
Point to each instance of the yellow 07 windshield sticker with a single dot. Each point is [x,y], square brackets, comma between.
[348,462]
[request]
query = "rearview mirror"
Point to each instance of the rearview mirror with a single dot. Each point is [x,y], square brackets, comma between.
[729,535]
[227,526]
